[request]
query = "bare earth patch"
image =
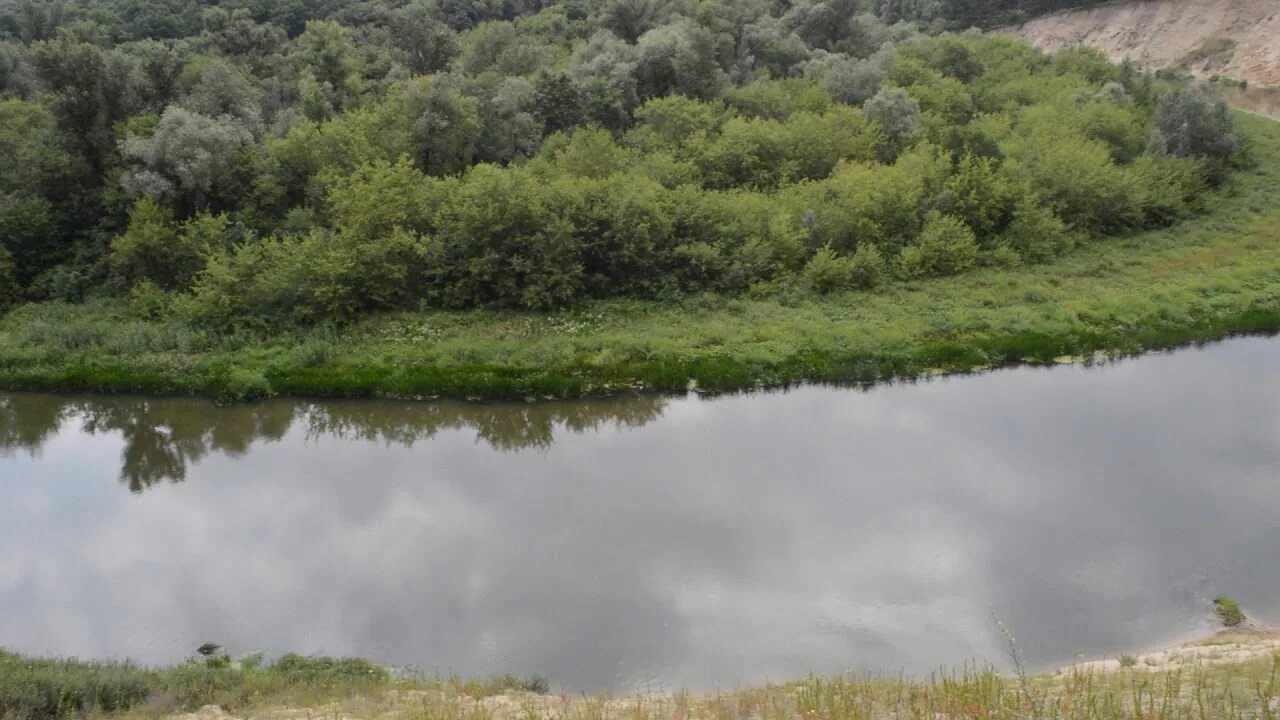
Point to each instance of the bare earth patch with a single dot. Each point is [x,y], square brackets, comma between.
[1231,38]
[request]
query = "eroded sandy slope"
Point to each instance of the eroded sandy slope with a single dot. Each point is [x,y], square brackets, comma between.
[1233,38]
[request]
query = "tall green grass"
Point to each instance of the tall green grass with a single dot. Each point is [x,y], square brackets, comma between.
[293,687]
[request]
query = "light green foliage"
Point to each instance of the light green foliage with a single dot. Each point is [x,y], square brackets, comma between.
[380,198]
[778,99]
[765,154]
[327,52]
[218,89]
[827,272]
[978,194]
[1076,177]
[1228,611]
[57,689]
[590,152]
[1035,233]
[1213,275]
[149,301]
[496,241]
[945,247]
[154,250]
[1189,124]
[1089,63]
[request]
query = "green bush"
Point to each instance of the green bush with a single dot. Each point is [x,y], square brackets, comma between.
[867,266]
[643,169]
[1035,233]
[298,669]
[828,272]
[1228,611]
[153,249]
[946,246]
[148,301]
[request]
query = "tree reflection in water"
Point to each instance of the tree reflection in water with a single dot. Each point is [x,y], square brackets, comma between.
[163,436]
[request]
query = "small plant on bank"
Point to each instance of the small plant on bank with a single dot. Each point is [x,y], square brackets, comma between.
[1228,611]
[1128,661]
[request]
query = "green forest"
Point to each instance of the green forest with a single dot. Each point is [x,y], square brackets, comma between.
[273,166]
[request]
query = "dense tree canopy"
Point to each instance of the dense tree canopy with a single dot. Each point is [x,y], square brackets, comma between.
[259,162]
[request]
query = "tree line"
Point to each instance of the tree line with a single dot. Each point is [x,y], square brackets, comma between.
[267,162]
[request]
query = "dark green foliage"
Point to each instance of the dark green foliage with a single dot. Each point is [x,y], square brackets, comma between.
[155,250]
[827,272]
[10,292]
[945,247]
[1189,124]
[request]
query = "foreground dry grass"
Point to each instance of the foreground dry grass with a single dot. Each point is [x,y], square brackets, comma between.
[1231,675]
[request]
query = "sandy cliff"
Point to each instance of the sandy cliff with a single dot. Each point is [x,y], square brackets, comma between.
[1232,38]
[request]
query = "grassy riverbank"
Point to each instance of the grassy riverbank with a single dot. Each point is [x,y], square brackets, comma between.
[1230,676]
[1214,275]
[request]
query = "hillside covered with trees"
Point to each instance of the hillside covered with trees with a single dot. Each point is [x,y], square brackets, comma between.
[261,163]
[255,166]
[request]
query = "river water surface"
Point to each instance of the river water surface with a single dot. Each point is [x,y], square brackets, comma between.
[655,543]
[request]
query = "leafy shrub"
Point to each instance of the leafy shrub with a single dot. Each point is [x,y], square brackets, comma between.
[242,385]
[499,684]
[152,249]
[828,272]
[148,301]
[867,267]
[298,669]
[322,276]
[1228,611]
[1035,233]
[945,247]
[1188,123]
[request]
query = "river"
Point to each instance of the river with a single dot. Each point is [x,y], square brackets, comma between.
[650,543]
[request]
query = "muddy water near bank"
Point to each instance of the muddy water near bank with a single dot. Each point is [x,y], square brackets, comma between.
[655,543]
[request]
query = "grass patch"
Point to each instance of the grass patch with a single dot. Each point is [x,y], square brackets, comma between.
[39,689]
[1212,276]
